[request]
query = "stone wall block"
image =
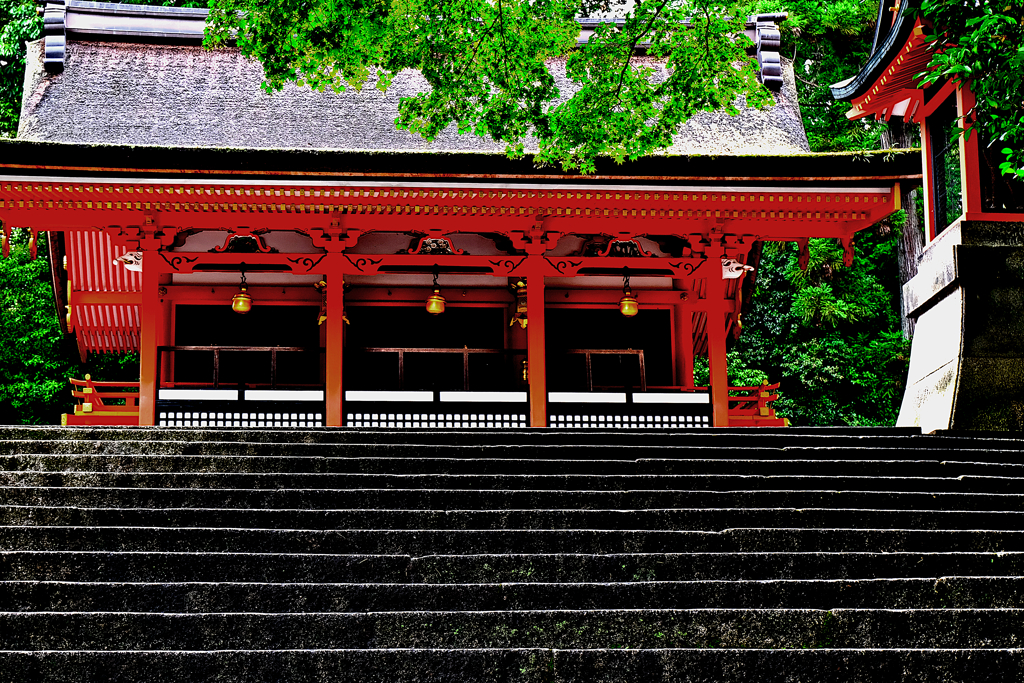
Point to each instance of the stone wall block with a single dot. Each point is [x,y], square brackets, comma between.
[967,360]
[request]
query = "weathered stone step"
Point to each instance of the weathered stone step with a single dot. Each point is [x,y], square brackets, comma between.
[272,464]
[753,628]
[873,436]
[870,437]
[427,541]
[563,482]
[637,448]
[822,465]
[672,519]
[491,568]
[523,665]
[944,592]
[359,541]
[321,499]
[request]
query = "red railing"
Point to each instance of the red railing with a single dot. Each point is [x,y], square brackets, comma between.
[750,408]
[98,405]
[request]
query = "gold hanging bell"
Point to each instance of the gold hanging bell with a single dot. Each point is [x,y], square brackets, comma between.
[242,302]
[435,302]
[628,305]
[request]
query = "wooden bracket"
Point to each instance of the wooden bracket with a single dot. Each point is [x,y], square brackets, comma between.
[146,237]
[241,231]
[536,239]
[804,258]
[848,251]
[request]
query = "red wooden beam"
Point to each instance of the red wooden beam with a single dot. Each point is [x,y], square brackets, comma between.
[152,323]
[717,319]
[148,214]
[334,340]
[536,349]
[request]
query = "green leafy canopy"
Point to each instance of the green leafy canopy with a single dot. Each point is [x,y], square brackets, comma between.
[489,65]
[36,358]
[983,43]
[18,23]
[829,334]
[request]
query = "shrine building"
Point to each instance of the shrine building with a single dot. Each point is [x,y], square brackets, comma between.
[968,294]
[294,260]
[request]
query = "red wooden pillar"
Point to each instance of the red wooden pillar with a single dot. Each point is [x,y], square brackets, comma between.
[335,339]
[152,333]
[166,335]
[928,181]
[684,346]
[970,154]
[536,349]
[719,376]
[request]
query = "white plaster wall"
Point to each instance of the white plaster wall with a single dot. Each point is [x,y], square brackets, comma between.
[934,366]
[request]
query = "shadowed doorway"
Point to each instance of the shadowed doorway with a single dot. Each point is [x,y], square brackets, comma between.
[386,329]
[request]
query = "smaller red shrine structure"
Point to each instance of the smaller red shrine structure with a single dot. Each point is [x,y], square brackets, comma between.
[267,279]
[968,295]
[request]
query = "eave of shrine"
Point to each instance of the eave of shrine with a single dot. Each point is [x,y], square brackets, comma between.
[887,86]
[144,196]
[25,157]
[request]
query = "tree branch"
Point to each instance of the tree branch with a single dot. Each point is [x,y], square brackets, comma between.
[632,48]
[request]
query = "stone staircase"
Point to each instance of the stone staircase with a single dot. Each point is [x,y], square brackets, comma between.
[332,555]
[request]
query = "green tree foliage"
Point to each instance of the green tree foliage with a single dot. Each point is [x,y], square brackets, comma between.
[984,43]
[486,62]
[829,334]
[828,41]
[36,358]
[18,24]
[740,374]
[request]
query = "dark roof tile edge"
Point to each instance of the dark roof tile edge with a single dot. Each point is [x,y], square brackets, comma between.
[880,58]
[22,157]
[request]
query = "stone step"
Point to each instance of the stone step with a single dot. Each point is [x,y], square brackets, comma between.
[523,665]
[713,519]
[318,499]
[427,541]
[718,436]
[637,448]
[462,499]
[672,519]
[825,466]
[925,593]
[23,565]
[272,464]
[633,628]
[871,437]
[489,482]
[370,542]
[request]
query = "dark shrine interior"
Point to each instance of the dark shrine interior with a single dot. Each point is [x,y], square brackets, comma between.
[484,328]
[412,327]
[409,327]
[589,328]
[267,325]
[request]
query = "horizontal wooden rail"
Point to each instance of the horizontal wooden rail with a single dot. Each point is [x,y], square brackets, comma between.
[217,350]
[753,409]
[94,407]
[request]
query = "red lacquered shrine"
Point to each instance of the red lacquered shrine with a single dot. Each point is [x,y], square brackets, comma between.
[966,296]
[426,286]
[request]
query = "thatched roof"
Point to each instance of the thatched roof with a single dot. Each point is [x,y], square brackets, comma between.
[182,95]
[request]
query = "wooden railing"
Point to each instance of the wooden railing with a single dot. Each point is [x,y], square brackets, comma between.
[96,404]
[590,353]
[751,407]
[464,351]
[217,351]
